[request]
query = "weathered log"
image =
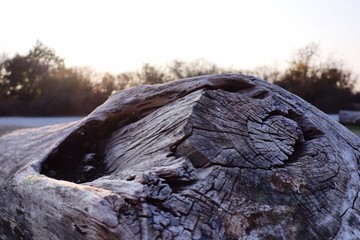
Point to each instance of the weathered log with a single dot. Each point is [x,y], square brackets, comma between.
[213,157]
[349,117]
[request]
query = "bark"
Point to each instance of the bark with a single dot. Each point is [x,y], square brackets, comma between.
[213,157]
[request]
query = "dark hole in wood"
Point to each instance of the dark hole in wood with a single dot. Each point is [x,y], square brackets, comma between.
[261,95]
[308,128]
[78,159]
[234,87]
[177,184]
[130,178]
[75,163]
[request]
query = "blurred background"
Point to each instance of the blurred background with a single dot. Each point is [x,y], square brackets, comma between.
[64,58]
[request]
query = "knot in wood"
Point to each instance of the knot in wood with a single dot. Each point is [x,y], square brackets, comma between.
[275,137]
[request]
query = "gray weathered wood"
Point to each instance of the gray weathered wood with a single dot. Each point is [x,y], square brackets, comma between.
[213,157]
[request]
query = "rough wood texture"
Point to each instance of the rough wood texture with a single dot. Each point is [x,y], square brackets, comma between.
[214,157]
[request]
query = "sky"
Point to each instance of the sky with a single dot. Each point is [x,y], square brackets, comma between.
[117,35]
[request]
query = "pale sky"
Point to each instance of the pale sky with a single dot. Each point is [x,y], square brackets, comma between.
[115,35]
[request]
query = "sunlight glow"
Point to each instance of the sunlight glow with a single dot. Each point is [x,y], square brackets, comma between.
[117,36]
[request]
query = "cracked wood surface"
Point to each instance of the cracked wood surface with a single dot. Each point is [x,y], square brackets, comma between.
[212,157]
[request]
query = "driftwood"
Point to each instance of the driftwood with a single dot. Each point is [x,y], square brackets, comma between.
[349,117]
[213,157]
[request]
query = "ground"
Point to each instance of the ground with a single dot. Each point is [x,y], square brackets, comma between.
[355,129]
[5,129]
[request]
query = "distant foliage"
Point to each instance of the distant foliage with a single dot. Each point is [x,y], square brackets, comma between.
[39,83]
[326,85]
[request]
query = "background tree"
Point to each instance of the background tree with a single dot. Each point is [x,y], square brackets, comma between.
[269,73]
[326,85]
[38,83]
[152,75]
[71,94]
[24,75]
[179,69]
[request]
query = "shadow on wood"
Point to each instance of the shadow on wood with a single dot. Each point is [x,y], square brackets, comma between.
[212,157]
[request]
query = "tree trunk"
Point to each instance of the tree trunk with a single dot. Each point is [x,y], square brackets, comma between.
[213,157]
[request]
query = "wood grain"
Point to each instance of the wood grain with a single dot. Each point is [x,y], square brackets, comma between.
[214,157]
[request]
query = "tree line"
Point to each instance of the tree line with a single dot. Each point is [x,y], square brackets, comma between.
[38,83]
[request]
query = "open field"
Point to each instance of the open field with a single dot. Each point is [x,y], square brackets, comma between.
[6,129]
[354,128]
[35,121]
[8,124]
